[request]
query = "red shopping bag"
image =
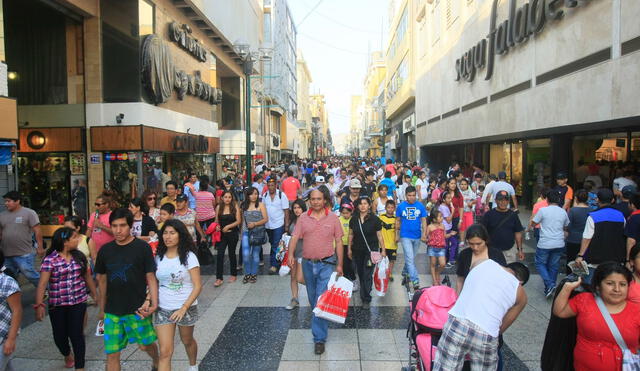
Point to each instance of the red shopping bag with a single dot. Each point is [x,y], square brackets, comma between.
[333,304]
[381,277]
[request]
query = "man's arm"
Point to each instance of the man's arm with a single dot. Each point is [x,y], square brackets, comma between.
[567,204]
[102,284]
[514,311]
[36,229]
[630,243]
[423,222]
[518,236]
[514,200]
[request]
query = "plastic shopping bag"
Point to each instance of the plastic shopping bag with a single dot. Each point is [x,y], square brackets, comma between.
[333,304]
[381,277]
[282,248]
[284,268]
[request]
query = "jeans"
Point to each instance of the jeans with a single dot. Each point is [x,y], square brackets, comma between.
[316,276]
[410,248]
[228,241]
[251,255]
[24,264]
[275,235]
[365,273]
[547,261]
[67,324]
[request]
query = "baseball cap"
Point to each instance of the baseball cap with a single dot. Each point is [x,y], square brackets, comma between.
[502,175]
[319,179]
[502,195]
[181,198]
[355,183]
[605,195]
[346,206]
[628,191]
[562,175]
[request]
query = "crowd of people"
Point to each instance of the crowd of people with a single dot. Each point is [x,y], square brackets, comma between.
[141,263]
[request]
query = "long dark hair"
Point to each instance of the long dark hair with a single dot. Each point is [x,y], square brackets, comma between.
[477,230]
[185,243]
[77,222]
[293,218]
[248,192]
[357,209]
[61,236]
[232,206]
[456,192]
[141,203]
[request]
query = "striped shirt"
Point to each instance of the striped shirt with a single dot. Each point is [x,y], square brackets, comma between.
[204,206]
[66,284]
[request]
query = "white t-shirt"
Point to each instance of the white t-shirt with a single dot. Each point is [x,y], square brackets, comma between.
[489,291]
[553,219]
[424,188]
[175,281]
[498,186]
[275,209]
[619,183]
[136,228]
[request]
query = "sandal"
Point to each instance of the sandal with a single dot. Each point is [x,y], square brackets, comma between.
[69,363]
[246,279]
[253,279]
[232,279]
[218,283]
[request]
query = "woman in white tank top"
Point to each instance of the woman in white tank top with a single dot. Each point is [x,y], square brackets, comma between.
[381,201]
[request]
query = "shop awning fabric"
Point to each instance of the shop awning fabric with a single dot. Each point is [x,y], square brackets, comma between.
[5,153]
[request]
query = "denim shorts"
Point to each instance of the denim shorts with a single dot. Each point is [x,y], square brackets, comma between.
[161,317]
[436,251]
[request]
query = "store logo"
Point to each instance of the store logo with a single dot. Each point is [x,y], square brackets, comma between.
[191,143]
[522,23]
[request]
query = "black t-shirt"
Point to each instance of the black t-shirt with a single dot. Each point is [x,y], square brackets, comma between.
[463,265]
[502,227]
[346,199]
[623,207]
[148,225]
[370,227]
[368,189]
[126,267]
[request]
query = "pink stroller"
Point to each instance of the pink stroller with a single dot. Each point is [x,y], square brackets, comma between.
[429,312]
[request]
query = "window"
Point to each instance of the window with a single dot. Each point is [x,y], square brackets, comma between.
[434,22]
[145,18]
[453,9]
[398,37]
[398,79]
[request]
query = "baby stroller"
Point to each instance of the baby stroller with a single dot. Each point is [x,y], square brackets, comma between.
[429,312]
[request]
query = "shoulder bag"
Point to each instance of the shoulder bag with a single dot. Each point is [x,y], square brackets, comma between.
[257,235]
[375,256]
[630,361]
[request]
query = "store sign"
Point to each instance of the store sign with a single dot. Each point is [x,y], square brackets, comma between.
[199,144]
[160,76]
[95,159]
[181,34]
[522,23]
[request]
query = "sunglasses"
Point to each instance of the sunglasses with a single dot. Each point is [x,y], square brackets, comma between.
[99,204]
[150,198]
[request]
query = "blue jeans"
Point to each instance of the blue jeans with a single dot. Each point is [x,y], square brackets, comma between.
[316,276]
[547,261]
[23,264]
[275,235]
[250,254]
[410,248]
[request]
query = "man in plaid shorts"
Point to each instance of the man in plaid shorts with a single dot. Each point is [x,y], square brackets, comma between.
[125,269]
[491,299]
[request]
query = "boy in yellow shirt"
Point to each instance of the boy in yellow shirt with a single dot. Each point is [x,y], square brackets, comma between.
[346,210]
[388,220]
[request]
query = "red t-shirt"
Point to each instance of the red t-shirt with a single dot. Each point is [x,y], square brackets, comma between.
[596,349]
[458,203]
[390,168]
[290,187]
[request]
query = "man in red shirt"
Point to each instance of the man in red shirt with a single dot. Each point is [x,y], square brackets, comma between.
[291,187]
[390,167]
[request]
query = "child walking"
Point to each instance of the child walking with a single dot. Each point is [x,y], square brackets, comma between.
[346,211]
[451,242]
[436,246]
[388,220]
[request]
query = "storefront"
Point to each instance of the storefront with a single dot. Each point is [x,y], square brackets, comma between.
[52,174]
[146,158]
[8,139]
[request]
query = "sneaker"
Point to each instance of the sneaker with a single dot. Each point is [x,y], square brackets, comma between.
[449,264]
[356,286]
[319,348]
[261,263]
[193,368]
[292,304]
[246,278]
[446,281]
[273,270]
[548,293]
[253,278]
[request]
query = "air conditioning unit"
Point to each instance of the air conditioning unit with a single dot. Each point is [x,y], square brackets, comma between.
[275,141]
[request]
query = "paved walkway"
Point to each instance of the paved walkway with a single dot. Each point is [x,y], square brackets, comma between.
[246,327]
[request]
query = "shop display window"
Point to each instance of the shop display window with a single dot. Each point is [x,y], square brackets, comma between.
[538,166]
[121,175]
[44,181]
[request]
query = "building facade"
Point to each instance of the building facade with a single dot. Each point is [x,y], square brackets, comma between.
[373,116]
[400,81]
[304,80]
[530,91]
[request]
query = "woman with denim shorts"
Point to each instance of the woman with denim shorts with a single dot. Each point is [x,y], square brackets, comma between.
[178,274]
[436,245]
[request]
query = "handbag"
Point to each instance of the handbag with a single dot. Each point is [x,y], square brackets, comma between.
[257,235]
[375,256]
[630,361]
[205,257]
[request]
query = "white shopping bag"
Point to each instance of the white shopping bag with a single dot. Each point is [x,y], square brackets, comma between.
[333,304]
[381,277]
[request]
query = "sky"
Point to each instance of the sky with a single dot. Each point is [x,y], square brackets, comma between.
[335,39]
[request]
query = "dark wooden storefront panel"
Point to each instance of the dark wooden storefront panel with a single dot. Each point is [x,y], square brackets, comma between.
[56,140]
[116,138]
